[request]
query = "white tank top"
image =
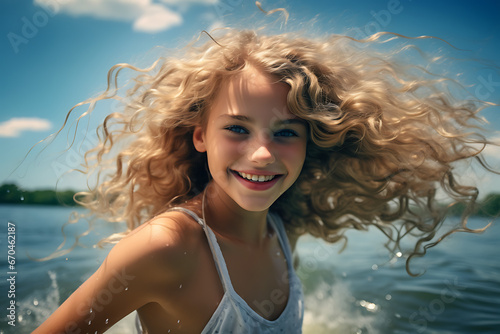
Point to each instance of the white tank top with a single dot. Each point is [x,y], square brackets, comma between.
[233,315]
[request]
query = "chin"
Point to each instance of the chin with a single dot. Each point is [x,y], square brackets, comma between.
[255,204]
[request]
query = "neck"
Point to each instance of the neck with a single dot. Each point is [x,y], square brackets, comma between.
[226,218]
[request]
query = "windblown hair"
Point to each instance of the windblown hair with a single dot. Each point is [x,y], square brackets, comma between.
[384,135]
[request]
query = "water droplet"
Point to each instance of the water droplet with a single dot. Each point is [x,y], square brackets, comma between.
[180,286]
[90,321]
[168,331]
[372,307]
[95,332]
[388,297]
[22,198]
[28,312]
[278,253]
[397,315]
[126,288]
[375,267]
[90,310]
[179,321]
[66,259]
[167,245]
[344,274]
[399,254]
[185,253]
[20,318]
[107,321]
[35,302]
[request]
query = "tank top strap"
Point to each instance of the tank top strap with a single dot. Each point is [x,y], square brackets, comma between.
[214,248]
[279,228]
[190,213]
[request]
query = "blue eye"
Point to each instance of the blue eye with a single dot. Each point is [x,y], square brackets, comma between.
[237,129]
[286,133]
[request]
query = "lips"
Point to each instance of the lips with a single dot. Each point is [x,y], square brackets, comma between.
[261,181]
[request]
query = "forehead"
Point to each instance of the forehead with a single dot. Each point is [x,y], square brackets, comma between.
[252,93]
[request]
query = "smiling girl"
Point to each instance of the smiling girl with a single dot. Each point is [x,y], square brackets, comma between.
[230,153]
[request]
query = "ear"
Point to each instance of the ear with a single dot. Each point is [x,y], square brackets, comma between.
[199,139]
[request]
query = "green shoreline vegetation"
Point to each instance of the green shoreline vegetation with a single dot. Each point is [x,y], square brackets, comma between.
[10,193]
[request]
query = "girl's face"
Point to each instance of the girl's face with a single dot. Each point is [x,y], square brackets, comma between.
[255,146]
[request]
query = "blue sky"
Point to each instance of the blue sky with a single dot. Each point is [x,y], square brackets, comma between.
[56,53]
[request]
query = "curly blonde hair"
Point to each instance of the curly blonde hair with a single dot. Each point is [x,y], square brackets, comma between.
[384,135]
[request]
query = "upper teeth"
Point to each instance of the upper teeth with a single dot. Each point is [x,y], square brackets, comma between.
[257,178]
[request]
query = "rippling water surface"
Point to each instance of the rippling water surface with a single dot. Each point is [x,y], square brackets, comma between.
[360,290]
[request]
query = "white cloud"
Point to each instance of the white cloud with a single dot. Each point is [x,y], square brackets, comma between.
[183,5]
[182,2]
[14,126]
[122,10]
[145,15]
[157,18]
[216,25]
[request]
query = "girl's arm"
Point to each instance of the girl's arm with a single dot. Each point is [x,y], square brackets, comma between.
[123,283]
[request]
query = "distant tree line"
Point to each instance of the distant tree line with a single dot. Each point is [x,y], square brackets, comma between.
[12,194]
[489,206]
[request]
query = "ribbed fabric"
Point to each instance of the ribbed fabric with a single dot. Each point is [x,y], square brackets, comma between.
[233,315]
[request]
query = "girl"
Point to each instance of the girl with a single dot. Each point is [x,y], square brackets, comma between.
[231,152]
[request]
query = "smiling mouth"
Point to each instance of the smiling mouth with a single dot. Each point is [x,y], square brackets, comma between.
[256,178]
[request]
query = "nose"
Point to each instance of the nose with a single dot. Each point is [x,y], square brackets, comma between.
[261,153]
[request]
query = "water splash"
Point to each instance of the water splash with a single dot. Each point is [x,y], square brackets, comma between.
[40,305]
[370,307]
[332,309]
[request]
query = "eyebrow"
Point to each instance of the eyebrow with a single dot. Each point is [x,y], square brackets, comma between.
[249,119]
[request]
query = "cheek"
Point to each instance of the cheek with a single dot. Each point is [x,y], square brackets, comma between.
[295,151]
[226,149]
[222,153]
[294,154]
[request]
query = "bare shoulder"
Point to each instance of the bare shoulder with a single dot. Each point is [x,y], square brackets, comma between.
[161,246]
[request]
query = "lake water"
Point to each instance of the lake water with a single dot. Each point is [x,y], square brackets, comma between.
[357,291]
